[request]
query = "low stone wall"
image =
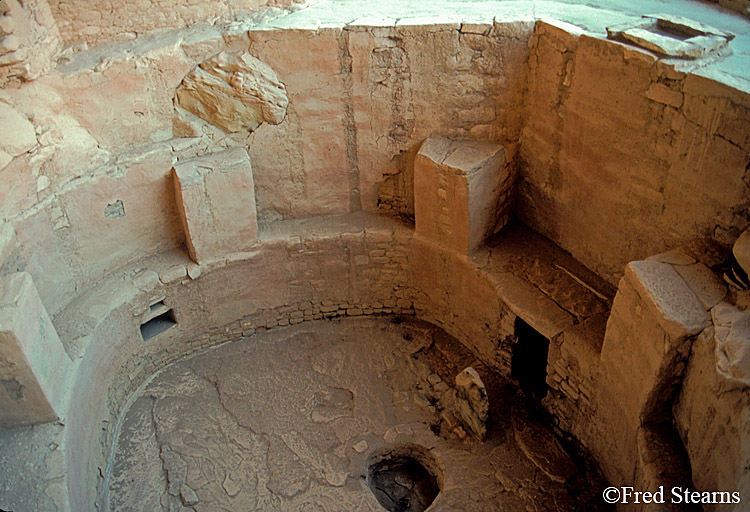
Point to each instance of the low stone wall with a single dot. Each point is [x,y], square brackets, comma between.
[95,22]
[283,281]
[314,269]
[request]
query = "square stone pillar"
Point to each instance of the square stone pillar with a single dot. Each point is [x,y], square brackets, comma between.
[216,201]
[34,368]
[462,192]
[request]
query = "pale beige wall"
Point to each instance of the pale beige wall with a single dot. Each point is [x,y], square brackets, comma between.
[362,101]
[96,21]
[622,158]
[464,81]
[105,133]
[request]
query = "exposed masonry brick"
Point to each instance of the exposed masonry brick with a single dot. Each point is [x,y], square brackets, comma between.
[129,380]
[385,286]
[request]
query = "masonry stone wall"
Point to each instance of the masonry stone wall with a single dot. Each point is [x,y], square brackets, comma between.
[324,158]
[93,22]
[618,156]
[622,156]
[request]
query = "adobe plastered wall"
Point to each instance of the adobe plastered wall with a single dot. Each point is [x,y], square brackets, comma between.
[622,156]
[363,99]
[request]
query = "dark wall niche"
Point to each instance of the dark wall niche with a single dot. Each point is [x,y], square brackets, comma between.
[528,364]
[159,319]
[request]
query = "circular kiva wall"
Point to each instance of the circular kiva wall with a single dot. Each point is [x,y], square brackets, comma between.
[185,188]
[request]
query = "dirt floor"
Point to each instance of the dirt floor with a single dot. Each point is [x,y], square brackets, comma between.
[302,418]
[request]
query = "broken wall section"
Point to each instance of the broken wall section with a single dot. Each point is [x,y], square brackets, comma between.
[623,156]
[362,99]
[29,40]
[712,413]
[92,22]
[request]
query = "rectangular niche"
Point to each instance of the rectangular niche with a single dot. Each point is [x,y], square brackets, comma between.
[529,360]
[159,318]
[671,36]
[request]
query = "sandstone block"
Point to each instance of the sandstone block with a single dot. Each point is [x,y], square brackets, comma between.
[458,191]
[732,328]
[17,134]
[235,92]
[472,401]
[173,274]
[649,333]
[7,26]
[672,36]
[9,44]
[529,303]
[34,367]
[216,200]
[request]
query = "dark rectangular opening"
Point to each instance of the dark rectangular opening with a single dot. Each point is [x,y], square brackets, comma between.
[528,364]
[159,323]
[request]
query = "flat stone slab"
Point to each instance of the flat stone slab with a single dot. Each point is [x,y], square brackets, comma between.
[672,36]
[675,305]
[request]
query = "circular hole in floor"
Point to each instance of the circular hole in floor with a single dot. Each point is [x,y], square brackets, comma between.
[403,479]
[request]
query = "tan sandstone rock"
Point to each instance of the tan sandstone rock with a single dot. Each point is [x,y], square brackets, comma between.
[741,251]
[732,328]
[473,403]
[461,191]
[17,134]
[234,91]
